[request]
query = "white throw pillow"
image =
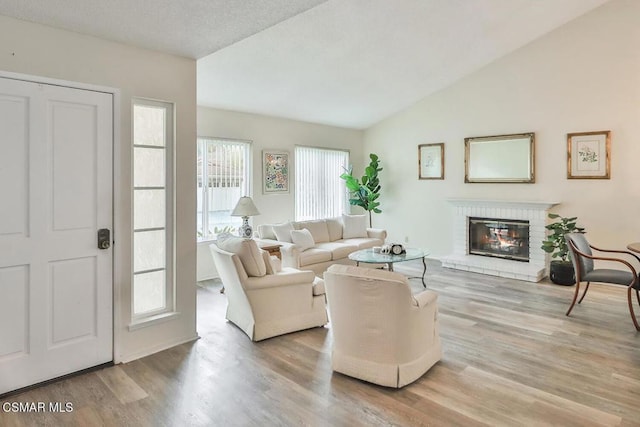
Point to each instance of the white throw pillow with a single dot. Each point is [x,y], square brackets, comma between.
[283,231]
[302,238]
[354,226]
[248,252]
[317,228]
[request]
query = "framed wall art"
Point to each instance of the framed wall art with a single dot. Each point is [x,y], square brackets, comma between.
[431,161]
[589,155]
[275,171]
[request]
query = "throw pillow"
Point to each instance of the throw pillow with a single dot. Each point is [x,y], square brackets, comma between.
[267,261]
[248,252]
[317,228]
[334,225]
[283,231]
[354,226]
[303,238]
[265,231]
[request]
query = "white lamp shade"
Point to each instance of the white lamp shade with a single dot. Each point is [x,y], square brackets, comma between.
[245,207]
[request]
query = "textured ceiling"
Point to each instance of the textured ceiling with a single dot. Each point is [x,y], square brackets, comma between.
[347,63]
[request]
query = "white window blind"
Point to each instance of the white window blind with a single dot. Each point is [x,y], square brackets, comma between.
[319,191]
[224,168]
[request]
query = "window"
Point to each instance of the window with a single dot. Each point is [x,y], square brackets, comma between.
[320,192]
[223,177]
[152,208]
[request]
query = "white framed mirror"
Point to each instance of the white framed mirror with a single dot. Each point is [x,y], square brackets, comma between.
[500,159]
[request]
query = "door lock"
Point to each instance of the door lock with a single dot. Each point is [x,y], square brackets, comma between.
[104,238]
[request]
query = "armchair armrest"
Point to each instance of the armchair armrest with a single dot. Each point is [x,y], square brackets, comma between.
[424,298]
[282,278]
[377,233]
[601,258]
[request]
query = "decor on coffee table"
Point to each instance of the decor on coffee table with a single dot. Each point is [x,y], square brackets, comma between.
[589,155]
[561,271]
[275,169]
[365,194]
[431,161]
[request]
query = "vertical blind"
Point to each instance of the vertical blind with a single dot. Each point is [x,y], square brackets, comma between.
[320,192]
[223,177]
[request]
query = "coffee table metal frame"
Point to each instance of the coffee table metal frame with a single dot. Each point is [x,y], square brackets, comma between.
[368,256]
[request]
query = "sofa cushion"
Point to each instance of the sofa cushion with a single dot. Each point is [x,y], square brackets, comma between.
[314,256]
[248,252]
[354,226]
[334,225]
[303,238]
[338,250]
[318,229]
[265,231]
[363,242]
[283,231]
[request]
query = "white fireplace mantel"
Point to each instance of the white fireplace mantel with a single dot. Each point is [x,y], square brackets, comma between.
[533,211]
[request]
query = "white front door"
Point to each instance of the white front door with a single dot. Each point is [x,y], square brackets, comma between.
[55,194]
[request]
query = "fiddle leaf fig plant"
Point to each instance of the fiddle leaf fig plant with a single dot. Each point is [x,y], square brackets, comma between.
[555,244]
[365,194]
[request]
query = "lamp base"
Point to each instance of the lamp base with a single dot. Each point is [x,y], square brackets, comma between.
[245,229]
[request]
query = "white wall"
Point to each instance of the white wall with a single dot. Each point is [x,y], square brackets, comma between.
[44,51]
[281,134]
[584,76]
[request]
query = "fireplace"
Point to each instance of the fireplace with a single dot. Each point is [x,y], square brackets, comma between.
[501,238]
[507,260]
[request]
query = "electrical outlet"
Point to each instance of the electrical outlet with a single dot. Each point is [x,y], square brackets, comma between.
[406,239]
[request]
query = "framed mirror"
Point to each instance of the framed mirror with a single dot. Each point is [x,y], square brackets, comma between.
[502,158]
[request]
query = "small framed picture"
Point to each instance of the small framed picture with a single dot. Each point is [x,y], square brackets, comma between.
[431,161]
[275,170]
[589,155]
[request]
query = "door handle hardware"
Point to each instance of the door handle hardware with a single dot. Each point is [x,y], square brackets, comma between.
[104,238]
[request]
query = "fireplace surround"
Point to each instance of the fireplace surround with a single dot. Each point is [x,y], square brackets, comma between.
[501,264]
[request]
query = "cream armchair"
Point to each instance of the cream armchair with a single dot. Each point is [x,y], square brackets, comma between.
[272,304]
[381,333]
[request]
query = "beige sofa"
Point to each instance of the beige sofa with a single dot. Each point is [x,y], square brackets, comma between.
[381,333]
[331,241]
[264,300]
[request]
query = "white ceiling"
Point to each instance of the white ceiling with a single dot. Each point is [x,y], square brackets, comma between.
[347,63]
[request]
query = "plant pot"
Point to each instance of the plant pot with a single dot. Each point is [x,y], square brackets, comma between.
[561,273]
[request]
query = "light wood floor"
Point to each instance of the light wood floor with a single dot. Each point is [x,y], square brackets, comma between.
[511,358]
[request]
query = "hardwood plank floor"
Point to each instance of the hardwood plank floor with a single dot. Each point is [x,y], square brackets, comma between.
[511,358]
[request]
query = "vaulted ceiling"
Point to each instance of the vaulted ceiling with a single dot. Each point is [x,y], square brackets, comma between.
[347,63]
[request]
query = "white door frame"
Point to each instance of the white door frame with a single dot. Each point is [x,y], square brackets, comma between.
[117,185]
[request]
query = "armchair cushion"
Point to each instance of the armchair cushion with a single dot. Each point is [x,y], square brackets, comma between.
[354,226]
[248,252]
[607,275]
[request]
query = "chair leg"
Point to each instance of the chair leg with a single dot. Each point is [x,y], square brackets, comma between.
[575,297]
[584,293]
[633,315]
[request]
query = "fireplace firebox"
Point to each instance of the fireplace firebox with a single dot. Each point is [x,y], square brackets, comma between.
[501,238]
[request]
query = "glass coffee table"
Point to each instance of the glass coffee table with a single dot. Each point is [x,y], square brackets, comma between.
[370,257]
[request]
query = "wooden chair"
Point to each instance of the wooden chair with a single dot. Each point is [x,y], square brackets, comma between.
[580,252]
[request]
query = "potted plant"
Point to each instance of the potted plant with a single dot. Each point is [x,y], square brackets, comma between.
[560,270]
[365,194]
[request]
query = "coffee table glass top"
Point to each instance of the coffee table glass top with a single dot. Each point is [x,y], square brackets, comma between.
[367,255]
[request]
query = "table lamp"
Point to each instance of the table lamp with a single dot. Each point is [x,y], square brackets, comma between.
[245,208]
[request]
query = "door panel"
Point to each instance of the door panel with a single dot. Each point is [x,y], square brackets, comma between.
[55,284]
[14,167]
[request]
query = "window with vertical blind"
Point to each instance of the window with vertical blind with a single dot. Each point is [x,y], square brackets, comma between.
[319,191]
[224,168]
[153,205]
